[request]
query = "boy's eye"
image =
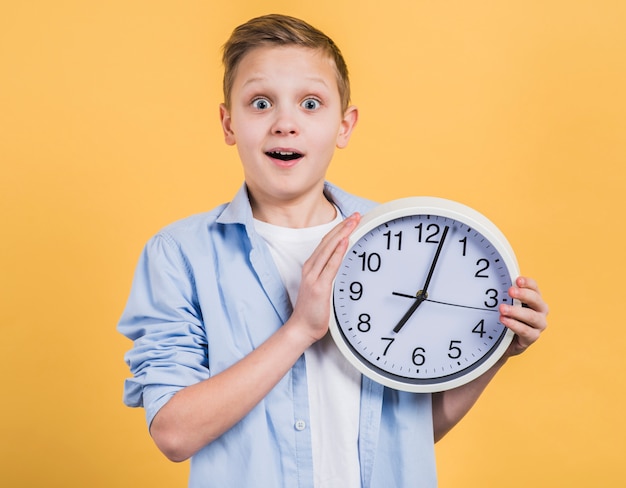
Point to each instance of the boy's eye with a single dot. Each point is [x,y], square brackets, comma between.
[261,104]
[311,104]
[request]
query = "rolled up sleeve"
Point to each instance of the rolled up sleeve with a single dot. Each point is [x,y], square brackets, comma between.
[163,319]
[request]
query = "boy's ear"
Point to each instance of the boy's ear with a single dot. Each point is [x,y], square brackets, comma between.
[350,118]
[229,135]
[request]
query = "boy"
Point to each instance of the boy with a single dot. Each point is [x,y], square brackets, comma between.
[229,309]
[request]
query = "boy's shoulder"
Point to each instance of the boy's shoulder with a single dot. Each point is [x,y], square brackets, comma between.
[193,223]
[234,211]
[348,203]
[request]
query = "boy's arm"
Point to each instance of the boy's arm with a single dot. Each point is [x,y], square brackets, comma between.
[528,322]
[199,414]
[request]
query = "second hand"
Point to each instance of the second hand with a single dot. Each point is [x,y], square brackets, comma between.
[405,295]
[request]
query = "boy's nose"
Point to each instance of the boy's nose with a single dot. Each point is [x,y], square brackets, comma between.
[285,123]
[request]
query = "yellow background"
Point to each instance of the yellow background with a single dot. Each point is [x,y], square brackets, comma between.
[109,130]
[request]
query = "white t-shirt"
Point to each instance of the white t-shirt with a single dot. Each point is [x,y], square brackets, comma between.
[334,384]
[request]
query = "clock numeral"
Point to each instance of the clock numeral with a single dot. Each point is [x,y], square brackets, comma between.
[455,351]
[418,356]
[356,290]
[364,323]
[429,235]
[390,339]
[464,242]
[479,329]
[493,298]
[485,265]
[371,262]
[398,237]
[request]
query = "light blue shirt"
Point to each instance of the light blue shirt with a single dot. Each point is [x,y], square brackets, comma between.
[206,293]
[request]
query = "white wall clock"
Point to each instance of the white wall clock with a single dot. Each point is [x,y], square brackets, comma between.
[415,301]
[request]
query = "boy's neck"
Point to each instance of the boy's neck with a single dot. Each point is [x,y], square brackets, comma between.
[299,213]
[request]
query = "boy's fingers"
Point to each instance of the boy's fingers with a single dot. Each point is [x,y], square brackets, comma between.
[528,293]
[330,243]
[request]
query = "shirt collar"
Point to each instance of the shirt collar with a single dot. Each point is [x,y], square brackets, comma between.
[239,211]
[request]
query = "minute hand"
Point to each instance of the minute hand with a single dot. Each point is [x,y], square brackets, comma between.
[422,295]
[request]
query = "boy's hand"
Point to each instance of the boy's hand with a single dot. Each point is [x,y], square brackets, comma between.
[313,304]
[528,321]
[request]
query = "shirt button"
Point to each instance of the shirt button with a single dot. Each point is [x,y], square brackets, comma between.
[300,425]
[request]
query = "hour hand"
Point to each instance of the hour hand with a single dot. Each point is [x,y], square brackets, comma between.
[405,295]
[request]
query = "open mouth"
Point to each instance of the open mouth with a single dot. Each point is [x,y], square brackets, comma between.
[284,155]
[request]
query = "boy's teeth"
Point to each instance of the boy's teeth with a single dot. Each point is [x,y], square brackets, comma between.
[284,155]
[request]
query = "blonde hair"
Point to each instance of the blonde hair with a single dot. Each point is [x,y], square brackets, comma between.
[280,30]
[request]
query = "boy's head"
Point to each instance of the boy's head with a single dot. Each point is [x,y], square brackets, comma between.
[280,30]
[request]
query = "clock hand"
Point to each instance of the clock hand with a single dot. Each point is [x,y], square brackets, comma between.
[463,306]
[422,295]
[405,295]
[435,259]
[419,299]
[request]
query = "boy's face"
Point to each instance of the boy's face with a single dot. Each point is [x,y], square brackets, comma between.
[285,118]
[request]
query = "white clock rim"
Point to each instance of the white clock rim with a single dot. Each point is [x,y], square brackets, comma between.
[425,205]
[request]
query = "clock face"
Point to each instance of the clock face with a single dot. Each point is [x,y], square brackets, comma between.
[416,299]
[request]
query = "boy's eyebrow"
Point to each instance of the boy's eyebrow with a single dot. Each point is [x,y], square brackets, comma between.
[255,79]
[260,79]
[317,79]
